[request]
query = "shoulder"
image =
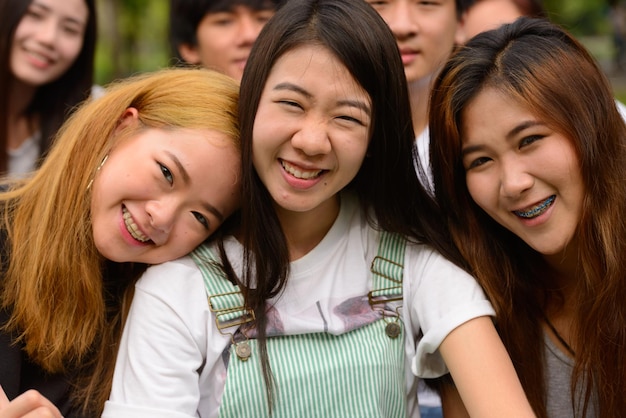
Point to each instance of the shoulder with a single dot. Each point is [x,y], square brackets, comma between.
[428,272]
[167,280]
[422,257]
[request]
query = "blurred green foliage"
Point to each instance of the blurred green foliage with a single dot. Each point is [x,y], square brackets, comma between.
[132,37]
[581,17]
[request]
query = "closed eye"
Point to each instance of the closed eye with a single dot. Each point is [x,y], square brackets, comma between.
[290,103]
[352,119]
[72,30]
[34,14]
[264,16]
[169,177]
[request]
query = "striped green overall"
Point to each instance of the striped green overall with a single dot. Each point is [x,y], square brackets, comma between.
[356,374]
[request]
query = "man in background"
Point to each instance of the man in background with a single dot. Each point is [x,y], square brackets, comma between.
[217,34]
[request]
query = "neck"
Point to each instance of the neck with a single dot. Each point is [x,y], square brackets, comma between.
[304,230]
[561,305]
[20,125]
[565,264]
[21,95]
[419,92]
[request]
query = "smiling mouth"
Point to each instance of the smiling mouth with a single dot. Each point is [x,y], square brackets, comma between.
[42,58]
[132,228]
[300,173]
[536,210]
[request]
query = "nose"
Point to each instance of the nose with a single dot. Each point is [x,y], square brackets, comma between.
[402,19]
[312,138]
[249,29]
[47,32]
[514,179]
[162,214]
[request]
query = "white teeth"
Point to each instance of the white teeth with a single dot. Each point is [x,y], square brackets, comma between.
[305,175]
[132,228]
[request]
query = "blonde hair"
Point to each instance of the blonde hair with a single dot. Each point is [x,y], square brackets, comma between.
[53,284]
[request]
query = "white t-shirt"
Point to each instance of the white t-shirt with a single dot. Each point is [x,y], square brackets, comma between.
[169,363]
[23,160]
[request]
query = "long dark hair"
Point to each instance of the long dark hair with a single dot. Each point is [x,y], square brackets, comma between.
[56,100]
[540,66]
[387,183]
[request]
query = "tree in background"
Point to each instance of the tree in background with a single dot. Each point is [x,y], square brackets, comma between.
[132,38]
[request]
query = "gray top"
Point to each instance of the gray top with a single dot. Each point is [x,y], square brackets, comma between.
[558,374]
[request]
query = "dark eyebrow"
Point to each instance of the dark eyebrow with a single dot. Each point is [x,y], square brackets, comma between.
[40,5]
[519,128]
[358,104]
[186,179]
[353,103]
[512,133]
[294,88]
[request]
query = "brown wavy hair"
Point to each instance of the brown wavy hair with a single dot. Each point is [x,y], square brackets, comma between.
[543,68]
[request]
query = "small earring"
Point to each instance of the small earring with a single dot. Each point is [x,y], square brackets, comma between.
[98,169]
[103,161]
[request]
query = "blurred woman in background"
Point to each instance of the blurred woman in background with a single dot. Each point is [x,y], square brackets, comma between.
[46,69]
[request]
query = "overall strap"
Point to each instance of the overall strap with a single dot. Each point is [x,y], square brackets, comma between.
[360,373]
[387,270]
[388,267]
[225,298]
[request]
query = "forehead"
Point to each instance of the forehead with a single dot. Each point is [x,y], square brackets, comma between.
[316,61]
[68,9]
[492,110]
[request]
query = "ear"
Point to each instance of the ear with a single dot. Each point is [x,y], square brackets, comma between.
[189,53]
[129,118]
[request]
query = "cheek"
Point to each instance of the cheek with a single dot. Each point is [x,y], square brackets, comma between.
[23,29]
[479,191]
[356,159]
[70,48]
[261,143]
[188,239]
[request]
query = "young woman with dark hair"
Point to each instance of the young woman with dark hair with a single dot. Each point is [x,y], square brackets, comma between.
[333,294]
[46,68]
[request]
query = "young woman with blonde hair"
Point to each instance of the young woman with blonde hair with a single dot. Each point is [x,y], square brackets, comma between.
[138,177]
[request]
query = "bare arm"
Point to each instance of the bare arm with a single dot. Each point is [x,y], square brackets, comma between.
[483,372]
[451,402]
[30,404]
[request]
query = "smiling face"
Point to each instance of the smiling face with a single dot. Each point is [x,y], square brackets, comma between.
[522,173]
[424,30]
[160,193]
[47,40]
[224,39]
[311,130]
